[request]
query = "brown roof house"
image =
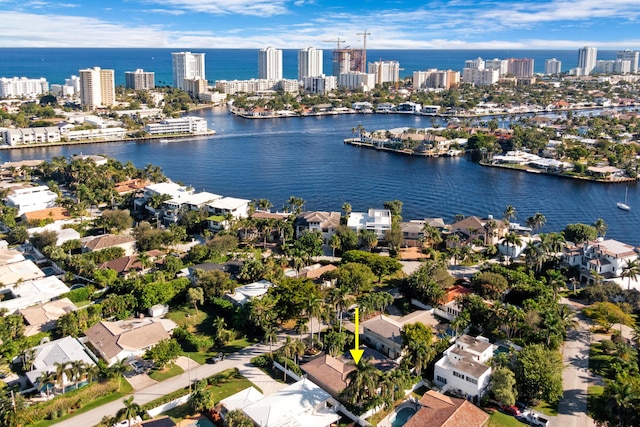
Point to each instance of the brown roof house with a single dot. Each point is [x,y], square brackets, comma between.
[128,243]
[325,222]
[115,341]
[489,230]
[383,333]
[439,410]
[44,317]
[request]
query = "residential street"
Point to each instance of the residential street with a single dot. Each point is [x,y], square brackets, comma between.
[572,409]
[233,360]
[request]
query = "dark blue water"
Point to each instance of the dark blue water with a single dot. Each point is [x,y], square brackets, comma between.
[57,64]
[306,157]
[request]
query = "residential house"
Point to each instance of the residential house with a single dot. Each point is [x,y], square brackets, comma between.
[490,231]
[302,404]
[96,243]
[413,231]
[377,220]
[607,258]
[27,293]
[240,400]
[243,294]
[17,269]
[29,199]
[170,190]
[230,267]
[462,370]
[126,339]
[316,271]
[63,351]
[173,207]
[44,317]
[384,334]
[439,410]
[123,266]
[237,208]
[325,222]
[450,309]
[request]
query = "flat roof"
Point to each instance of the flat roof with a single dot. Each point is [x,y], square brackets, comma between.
[33,292]
[228,203]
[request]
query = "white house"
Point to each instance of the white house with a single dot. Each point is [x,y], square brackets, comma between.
[243,294]
[32,199]
[461,369]
[31,292]
[238,208]
[194,201]
[608,258]
[325,222]
[183,125]
[378,220]
[170,189]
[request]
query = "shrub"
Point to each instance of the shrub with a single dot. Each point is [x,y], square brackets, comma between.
[77,295]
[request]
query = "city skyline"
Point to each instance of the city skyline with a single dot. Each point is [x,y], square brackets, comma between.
[296,24]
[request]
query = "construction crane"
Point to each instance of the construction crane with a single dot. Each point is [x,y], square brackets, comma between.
[337,41]
[364,56]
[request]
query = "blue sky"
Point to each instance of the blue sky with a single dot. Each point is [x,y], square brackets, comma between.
[399,24]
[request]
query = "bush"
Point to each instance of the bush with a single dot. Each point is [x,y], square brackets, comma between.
[77,295]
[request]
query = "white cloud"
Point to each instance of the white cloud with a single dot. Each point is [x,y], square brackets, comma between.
[174,12]
[262,8]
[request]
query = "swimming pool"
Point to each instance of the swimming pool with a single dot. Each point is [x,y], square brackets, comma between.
[403,416]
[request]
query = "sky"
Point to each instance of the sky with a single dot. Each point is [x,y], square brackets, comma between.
[294,24]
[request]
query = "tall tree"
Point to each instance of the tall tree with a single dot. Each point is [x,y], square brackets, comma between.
[631,271]
[130,411]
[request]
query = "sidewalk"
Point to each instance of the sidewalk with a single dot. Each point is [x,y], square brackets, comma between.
[267,384]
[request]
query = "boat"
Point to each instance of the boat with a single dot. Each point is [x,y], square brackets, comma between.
[624,206]
[163,141]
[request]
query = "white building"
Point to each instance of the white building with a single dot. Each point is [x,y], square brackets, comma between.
[27,293]
[357,80]
[614,66]
[195,201]
[552,67]
[435,79]
[480,77]
[139,79]
[477,64]
[71,86]
[243,294]
[231,87]
[32,199]
[608,258]
[187,65]
[378,220]
[321,84]
[385,71]
[21,136]
[270,63]
[171,190]
[310,63]
[97,88]
[587,57]
[18,87]
[326,223]
[238,208]
[631,56]
[183,125]
[502,65]
[462,369]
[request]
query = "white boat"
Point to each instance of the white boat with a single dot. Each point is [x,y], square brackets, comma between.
[624,206]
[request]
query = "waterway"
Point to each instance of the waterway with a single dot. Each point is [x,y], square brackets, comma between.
[306,157]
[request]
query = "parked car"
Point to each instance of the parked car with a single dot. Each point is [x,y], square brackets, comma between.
[511,410]
[216,359]
[137,366]
[534,419]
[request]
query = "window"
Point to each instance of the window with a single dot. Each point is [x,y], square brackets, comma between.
[458,374]
[441,380]
[471,380]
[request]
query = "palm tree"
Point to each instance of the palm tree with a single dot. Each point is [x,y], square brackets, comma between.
[62,370]
[601,227]
[47,378]
[631,271]
[510,213]
[270,336]
[77,369]
[362,382]
[419,354]
[130,410]
[539,220]
[556,281]
[512,239]
[291,349]
[369,239]
[314,309]
[118,369]
[346,207]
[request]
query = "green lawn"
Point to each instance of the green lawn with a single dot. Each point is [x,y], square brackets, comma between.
[498,419]
[599,362]
[179,413]
[545,408]
[168,372]
[125,389]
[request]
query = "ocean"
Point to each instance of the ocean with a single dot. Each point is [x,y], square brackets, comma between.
[58,64]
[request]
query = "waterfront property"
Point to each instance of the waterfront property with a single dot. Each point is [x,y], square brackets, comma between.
[606,258]
[489,230]
[184,125]
[29,199]
[376,220]
[325,222]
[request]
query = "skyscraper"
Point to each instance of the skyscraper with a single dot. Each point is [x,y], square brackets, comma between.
[587,59]
[187,65]
[631,56]
[270,63]
[139,79]
[552,66]
[385,71]
[97,88]
[520,67]
[309,63]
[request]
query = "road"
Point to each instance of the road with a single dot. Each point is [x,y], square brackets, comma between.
[233,360]
[576,377]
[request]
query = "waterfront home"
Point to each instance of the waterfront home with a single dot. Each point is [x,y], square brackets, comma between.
[126,339]
[240,400]
[29,199]
[96,243]
[44,317]
[439,410]
[377,220]
[26,293]
[28,136]
[302,404]
[230,267]
[173,208]
[450,309]
[325,222]
[169,190]
[184,125]
[413,231]
[607,258]
[63,351]
[237,208]
[462,370]
[384,334]
[489,230]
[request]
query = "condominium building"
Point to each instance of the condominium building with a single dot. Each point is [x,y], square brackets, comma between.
[477,63]
[613,66]
[357,81]
[552,66]
[195,86]
[187,65]
[97,88]
[520,67]
[183,125]
[18,87]
[385,71]
[587,57]
[309,63]
[139,79]
[501,65]
[480,77]
[270,63]
[631,56]
[321,84]
[435,79]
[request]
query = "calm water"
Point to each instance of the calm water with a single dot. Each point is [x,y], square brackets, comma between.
[306,157]
[57,64]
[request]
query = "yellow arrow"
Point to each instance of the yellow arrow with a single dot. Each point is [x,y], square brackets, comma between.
[356,353]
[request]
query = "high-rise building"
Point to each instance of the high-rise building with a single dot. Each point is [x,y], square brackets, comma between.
[97,88]
[613,66]
[631,56]
[270,63]
[17,87]
[587,57]
[477,63]
[347,60]
[309,63]
[356,80]
[502,65]
[520,67]
[552,66]
[435,79]
[385,71]
[187,65]
[139,79]
[320,84]
[480,77]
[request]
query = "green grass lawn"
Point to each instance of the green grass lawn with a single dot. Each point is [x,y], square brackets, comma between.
[498,419]
[593,394]
[545,408]
[179,413]
[168,372]
[599,362]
